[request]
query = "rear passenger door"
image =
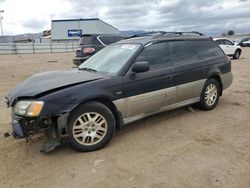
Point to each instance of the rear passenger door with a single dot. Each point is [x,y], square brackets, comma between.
[190,69]
[149,91]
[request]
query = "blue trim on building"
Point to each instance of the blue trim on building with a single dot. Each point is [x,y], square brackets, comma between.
[73,20]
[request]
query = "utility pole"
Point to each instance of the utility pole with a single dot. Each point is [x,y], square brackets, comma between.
[1,12]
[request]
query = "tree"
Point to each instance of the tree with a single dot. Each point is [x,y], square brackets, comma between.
[231,32]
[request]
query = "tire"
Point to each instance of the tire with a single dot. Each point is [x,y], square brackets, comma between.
[209,101]
[237,54]
[90,127]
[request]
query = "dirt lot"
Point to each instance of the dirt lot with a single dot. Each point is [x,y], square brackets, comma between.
[179,148]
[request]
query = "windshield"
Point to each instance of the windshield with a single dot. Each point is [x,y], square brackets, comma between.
[111,58]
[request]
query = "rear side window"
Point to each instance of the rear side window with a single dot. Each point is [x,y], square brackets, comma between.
[189,51]
[158,55]
[182,52]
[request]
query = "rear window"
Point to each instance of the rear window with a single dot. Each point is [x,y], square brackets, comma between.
[89,40]
[107,39]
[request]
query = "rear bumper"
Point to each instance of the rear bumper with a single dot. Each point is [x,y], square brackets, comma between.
[79,60]
[227,80]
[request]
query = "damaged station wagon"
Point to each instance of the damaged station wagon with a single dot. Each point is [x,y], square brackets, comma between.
[124,82]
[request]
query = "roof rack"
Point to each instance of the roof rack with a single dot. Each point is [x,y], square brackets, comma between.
[145,34]
[186,32]
[158,33]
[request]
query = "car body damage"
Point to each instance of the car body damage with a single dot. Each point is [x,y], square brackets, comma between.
[44,83]
[61,92]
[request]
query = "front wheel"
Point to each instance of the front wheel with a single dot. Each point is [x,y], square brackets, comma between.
[91,127]
[210,95]
[237,54]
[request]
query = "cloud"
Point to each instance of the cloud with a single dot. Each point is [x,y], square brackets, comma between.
[205,16]
[211,17]
[34,24]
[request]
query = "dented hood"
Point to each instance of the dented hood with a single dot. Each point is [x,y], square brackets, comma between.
[51,81]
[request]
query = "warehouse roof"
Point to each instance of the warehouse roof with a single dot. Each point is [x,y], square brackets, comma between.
[73,20]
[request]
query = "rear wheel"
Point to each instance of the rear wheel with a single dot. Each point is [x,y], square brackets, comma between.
[237,54]
[210,95]
[91,127]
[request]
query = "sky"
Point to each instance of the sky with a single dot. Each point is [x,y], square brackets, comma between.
[212,16]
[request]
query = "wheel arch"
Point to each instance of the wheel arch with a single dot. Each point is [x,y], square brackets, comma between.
[239,49]
[109,104]
[218,79]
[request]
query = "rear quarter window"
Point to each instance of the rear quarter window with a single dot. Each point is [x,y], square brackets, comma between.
[207,49]
[183,52]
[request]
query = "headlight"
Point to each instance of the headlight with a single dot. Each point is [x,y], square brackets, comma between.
[28,108]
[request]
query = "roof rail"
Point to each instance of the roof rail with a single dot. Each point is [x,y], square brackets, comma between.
[158,33]
[145,34]
[185,32]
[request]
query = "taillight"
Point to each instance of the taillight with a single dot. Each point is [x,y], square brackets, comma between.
[88,50]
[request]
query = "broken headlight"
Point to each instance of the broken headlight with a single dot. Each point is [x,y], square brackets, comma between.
[28,108]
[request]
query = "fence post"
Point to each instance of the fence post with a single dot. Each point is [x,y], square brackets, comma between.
[14,49]
[50,46]
[33,48]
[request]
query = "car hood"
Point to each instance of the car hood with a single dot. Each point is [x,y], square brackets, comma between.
[45,82]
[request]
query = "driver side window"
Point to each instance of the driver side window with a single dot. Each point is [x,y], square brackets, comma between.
[157,55]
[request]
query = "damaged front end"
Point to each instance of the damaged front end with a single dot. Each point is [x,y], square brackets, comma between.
[26,122]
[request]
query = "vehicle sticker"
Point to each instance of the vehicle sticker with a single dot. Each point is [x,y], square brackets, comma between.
[128,46]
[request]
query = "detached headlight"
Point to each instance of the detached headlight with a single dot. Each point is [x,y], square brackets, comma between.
[28,108]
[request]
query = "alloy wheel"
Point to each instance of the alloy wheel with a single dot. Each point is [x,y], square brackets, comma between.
[89,128]
[211,94]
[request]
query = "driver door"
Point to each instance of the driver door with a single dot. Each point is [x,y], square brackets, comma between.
[149,91]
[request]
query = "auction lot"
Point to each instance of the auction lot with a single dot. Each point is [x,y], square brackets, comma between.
[179,148]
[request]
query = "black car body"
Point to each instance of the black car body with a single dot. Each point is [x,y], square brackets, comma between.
[92,43]
[124,82]
[245,42]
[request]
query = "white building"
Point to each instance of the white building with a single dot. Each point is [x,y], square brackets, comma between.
[71,29]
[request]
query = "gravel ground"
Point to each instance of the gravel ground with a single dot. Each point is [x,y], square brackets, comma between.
[179,148]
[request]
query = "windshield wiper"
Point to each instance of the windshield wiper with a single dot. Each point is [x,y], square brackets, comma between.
[87,69]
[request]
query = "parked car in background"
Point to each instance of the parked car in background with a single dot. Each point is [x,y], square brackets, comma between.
[122,83]
[90,44]
[230,48]
[245,42]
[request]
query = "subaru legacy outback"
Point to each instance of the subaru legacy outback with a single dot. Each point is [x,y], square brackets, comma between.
[122,83]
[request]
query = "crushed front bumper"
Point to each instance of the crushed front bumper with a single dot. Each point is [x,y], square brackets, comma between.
[24,127]
[54,128]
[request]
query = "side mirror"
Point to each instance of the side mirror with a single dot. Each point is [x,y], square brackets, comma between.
[142,66]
